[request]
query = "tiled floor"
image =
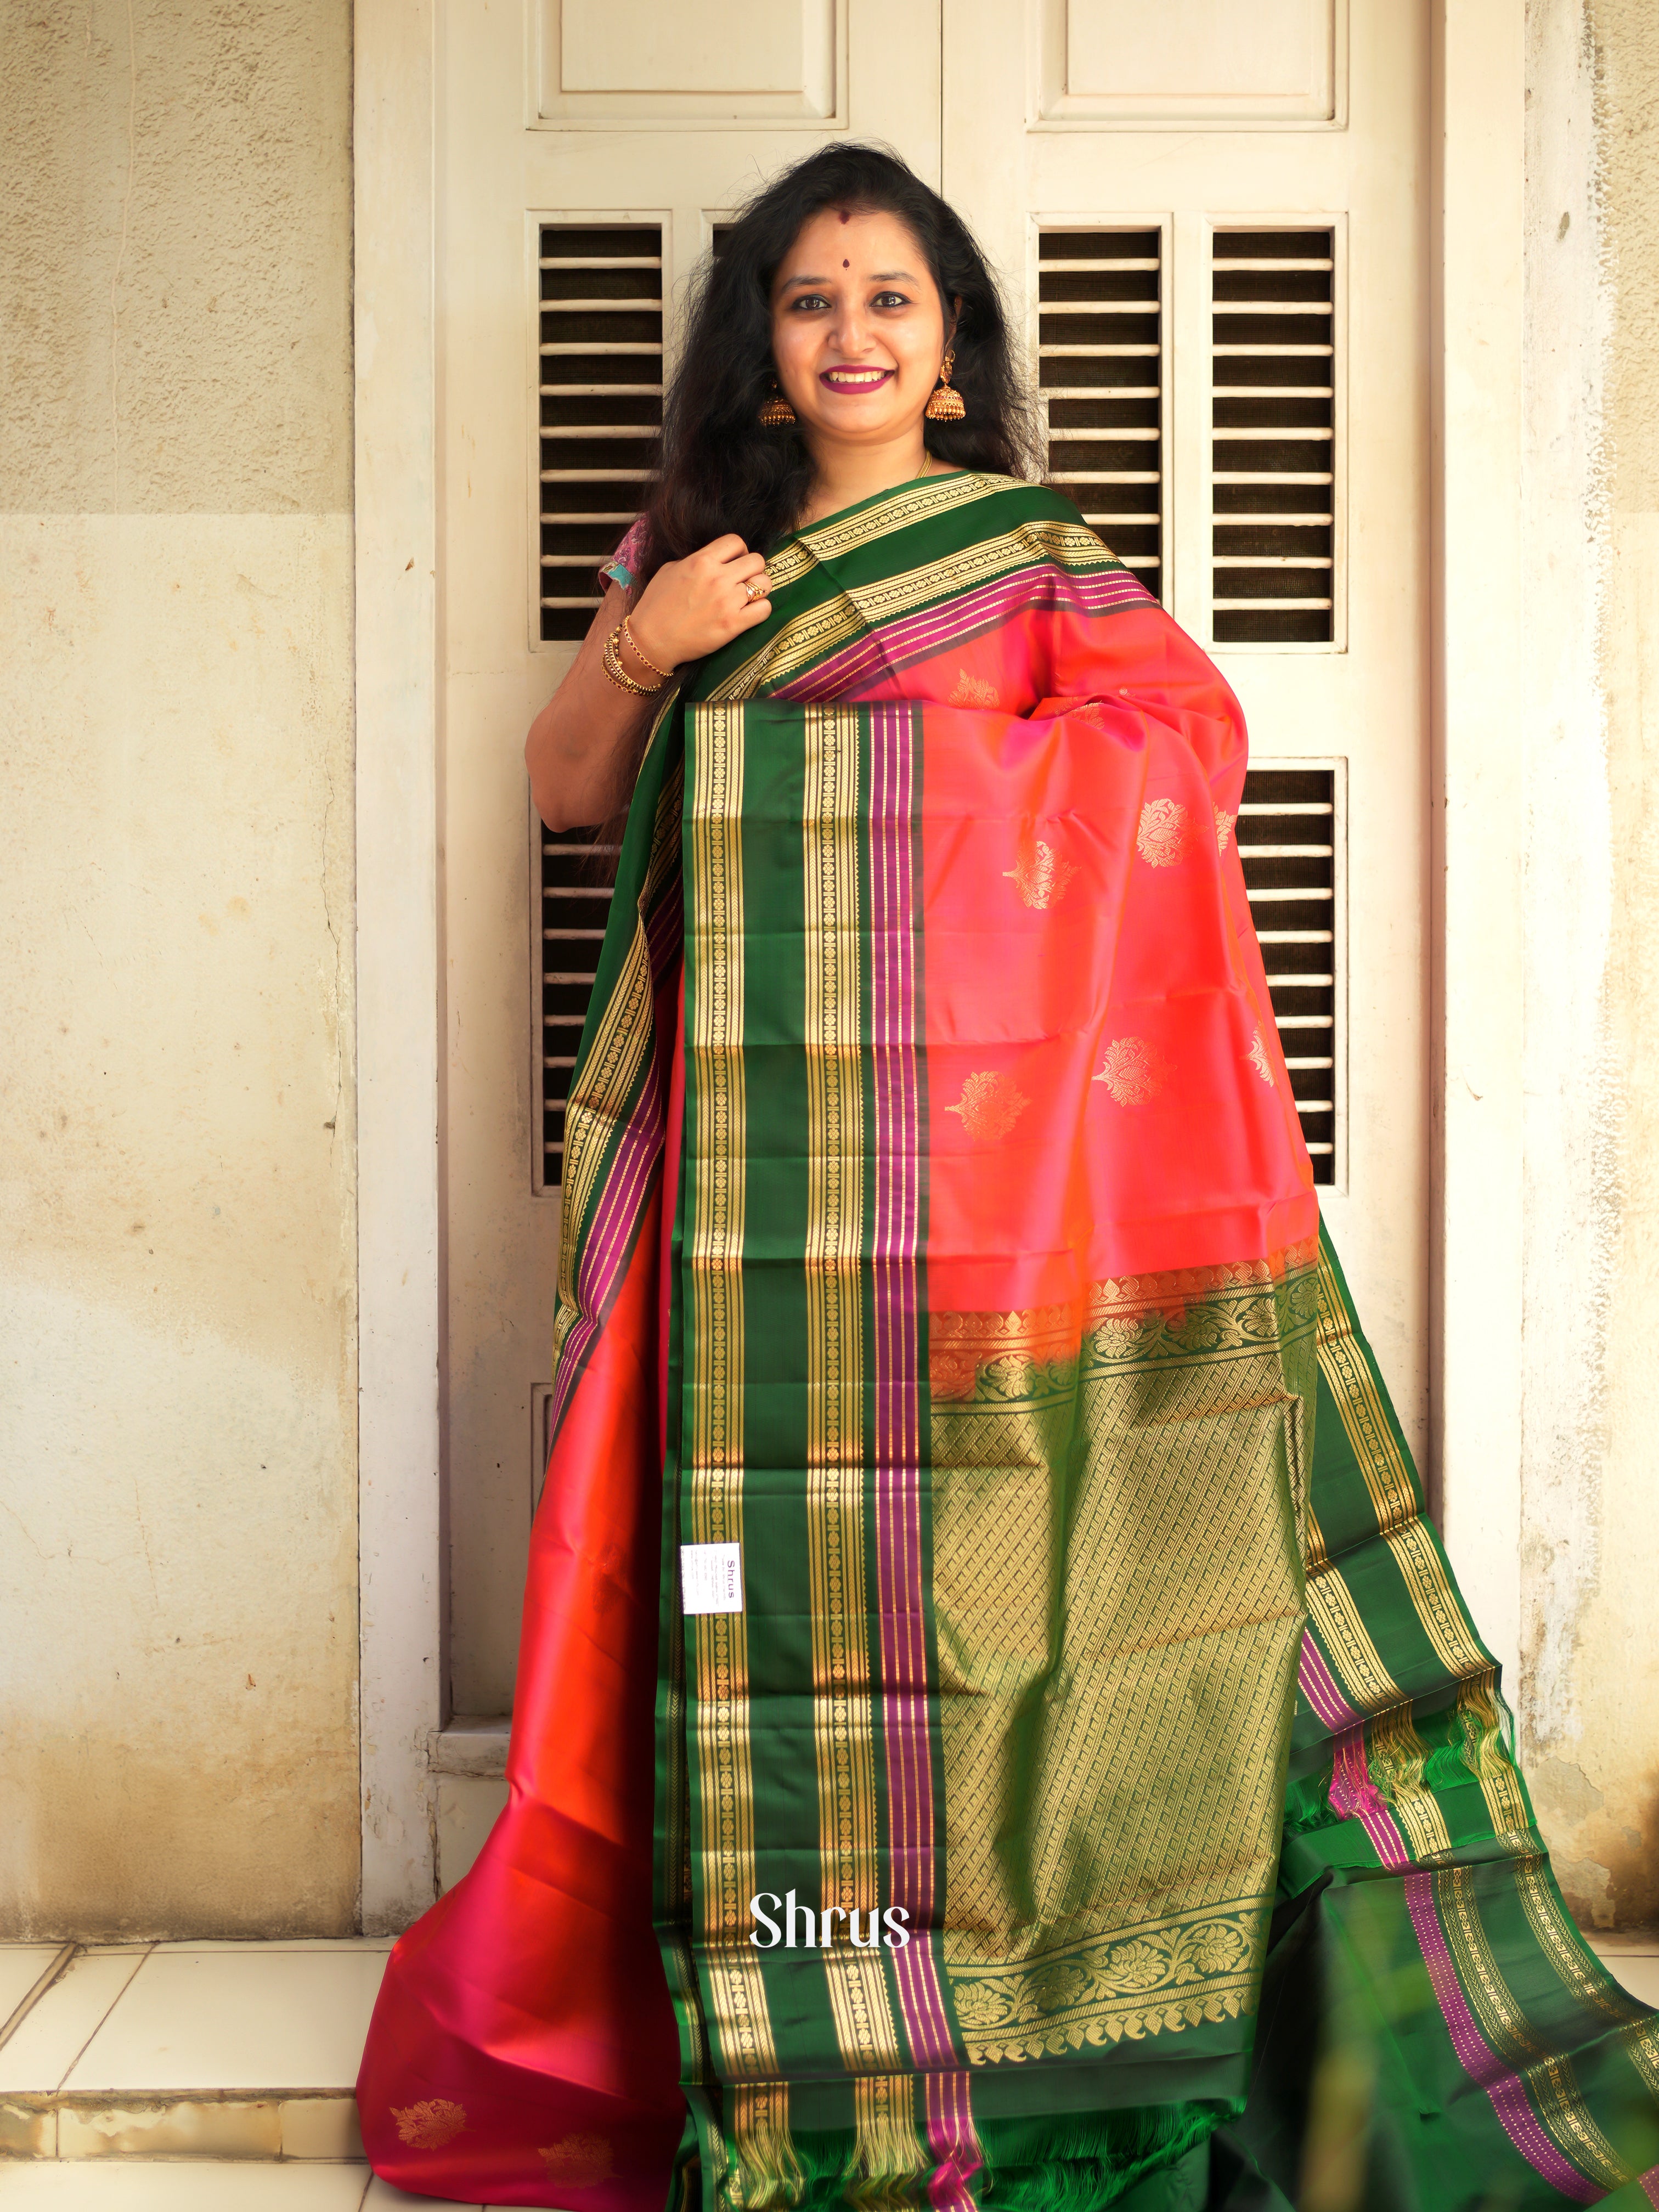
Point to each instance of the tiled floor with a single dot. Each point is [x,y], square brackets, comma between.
[188,2050]
[199,2186]
[217,2077]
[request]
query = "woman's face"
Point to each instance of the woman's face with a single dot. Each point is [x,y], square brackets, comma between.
[857,328]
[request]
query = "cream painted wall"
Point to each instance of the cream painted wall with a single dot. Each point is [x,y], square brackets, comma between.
[178,1574]
[1589,758]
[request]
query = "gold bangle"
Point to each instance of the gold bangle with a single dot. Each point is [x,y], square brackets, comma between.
[634,647]
[611,661]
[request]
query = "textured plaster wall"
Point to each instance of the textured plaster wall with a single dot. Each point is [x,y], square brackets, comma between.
[1589,760]
[178,1567]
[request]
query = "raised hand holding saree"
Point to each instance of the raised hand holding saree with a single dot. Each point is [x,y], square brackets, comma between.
[938,1234]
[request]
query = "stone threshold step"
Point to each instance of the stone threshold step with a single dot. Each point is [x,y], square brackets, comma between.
[202,2125]
[185,2051]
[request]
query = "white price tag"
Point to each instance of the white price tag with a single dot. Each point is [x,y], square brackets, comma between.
[711,1577]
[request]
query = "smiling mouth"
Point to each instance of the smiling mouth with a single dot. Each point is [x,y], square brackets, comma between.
[856,380]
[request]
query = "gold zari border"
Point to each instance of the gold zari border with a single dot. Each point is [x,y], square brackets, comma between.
[622,1047]
[1551,2083]
[1164,1974]
[715,1472]
[963,1345]
[842,1724]
[1365,1679]
[822,629]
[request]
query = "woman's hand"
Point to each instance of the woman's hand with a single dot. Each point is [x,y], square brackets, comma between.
[691,608]
[583,749]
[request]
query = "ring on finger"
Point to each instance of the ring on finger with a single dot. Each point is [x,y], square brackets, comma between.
[758,587]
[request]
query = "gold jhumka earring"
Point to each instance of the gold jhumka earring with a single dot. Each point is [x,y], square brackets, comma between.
[776,412]
[945,405]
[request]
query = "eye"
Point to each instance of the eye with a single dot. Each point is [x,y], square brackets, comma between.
[808,300]
[892,299]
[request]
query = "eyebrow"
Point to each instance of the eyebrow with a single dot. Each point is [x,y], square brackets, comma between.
[881,276]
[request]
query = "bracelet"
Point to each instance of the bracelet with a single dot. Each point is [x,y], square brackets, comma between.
[612,660]
[634,647]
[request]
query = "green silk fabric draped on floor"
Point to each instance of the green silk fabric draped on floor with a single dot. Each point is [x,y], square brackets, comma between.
[1086,1783]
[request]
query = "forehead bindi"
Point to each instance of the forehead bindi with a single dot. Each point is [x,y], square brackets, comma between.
[886,250]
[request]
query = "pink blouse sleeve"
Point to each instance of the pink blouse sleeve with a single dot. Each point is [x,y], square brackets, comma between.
[624,563]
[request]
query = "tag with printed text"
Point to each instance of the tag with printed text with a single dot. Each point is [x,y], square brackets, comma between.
[711,1577]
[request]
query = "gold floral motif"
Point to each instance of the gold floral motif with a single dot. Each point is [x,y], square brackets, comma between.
[1164,835]
[961,1345]
[1168,1292]
[1133,1071]
[1040,876]
[577,2159]
[1166,1976]
[989,1105]
[974,691]
[431,2124]
[1223,828]
[1179,1311]
[1258,1059]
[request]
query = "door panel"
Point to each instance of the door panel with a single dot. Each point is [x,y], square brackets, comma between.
[573,134]
[1259,444]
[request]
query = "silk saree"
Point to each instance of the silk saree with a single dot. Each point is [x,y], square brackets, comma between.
[995,1727]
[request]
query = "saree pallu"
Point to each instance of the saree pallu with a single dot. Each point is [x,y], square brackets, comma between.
[1086,1784]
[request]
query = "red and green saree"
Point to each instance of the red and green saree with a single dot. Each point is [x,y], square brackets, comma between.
[994,1725]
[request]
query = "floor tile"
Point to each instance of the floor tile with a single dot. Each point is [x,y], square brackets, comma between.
[21,1965]
[255,2018]
[54,2032]
[185,2186]
[382,2197]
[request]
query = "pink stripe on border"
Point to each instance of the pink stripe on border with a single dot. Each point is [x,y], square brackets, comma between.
[1353,1794]
[896,644]
[1477,2059]
[954,2141]
[896,1377]
[1319,1687]
[1356,1796]
[604,1251]
[1650,2185]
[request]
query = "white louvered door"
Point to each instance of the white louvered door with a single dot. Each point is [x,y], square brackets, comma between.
[1212,219]
[588,149]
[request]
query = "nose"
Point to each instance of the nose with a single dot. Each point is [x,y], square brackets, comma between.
[851,336]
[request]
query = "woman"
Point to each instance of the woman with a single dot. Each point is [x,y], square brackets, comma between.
[993,1726]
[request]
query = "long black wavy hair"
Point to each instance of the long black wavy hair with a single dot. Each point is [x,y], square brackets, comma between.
[722,470]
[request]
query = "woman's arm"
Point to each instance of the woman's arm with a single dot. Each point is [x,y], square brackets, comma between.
[583,749]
